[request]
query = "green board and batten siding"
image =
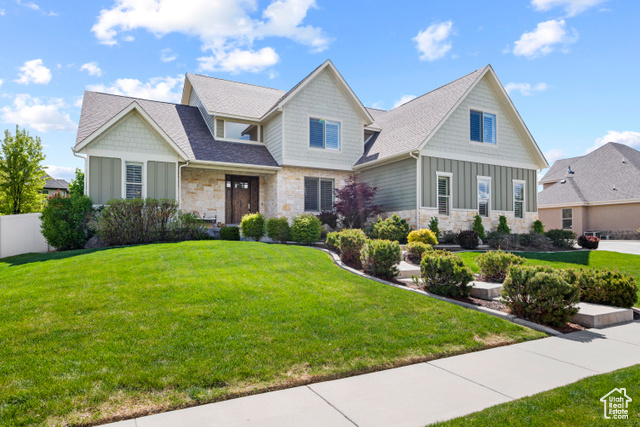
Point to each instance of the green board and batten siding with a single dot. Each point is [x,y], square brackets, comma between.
[396,182]
[105,179]
[161,179]
[464,184]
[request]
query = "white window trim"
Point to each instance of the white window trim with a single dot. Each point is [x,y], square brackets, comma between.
[324,149]
[524,196]
[143,194]
[450,176]
[243,141]
[482,110]
[333,196]
[562,218]
[478,179]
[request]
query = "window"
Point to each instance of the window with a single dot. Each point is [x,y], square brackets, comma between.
[444,194]
[483,127]
[567,219]
[229,129]
[324,134]
[484,196]
[133,181]
[518,199]
[318,194]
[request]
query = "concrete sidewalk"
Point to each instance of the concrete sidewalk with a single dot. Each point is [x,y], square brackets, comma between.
[423,393]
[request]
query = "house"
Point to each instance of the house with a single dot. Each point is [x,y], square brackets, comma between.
[230,148]
[53,186]
[598,192]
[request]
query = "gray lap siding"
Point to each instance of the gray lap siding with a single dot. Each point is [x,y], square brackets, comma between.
[396,182]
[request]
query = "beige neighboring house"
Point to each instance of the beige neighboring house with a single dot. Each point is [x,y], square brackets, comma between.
[595,193]
[53,186]
[230,148]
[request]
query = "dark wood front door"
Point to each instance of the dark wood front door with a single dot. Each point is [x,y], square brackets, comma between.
[241,197]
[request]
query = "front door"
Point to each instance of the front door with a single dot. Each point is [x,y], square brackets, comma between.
[241,197]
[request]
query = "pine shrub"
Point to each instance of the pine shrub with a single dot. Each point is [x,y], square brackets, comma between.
[503,227]
[393,228]
[433,226]
[306,229]
[467,239]
[252,226]
[423,235]
[278,229]
[445,274]
[478,227]
[380,258]
[494,265]
[351,242]
[230,233]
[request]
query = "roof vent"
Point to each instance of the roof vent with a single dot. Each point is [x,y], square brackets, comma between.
[624,160]
[569,171]
[564,181]
[614,188]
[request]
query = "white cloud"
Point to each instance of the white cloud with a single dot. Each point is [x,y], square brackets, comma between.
[157,88]
[34,72]
[226,28]
[1,82]
[630,138]
[31,5]
[78,102]
[433,43]
[43,117]
[525,89]
[168,55]
[2,12]
[554,154]
[544,39]
[273,74]
[61,172]
[572,7]
[403,100]
[91,68]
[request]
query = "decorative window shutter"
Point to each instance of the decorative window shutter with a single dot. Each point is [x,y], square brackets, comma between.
[476,125]
[219,128]
[311,194]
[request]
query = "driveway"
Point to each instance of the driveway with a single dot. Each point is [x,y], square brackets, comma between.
[623,246]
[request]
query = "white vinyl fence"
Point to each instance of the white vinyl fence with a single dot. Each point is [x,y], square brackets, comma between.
[20,234]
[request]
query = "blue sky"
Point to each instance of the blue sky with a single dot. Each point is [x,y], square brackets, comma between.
[570,65]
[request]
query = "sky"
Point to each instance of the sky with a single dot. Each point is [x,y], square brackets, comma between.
[570,66]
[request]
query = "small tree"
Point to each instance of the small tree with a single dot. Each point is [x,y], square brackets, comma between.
[503,227]
[354,202]
[478,227]
[433,226]
[21,174]
[76,187]
[538,227]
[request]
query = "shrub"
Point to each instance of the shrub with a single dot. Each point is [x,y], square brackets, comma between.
[467,239]
[416,249]
[252,226]
[445,274]
[355,203]
[519,242]
[394,228]
[502,225]
[562,239]
[588,242]
[306,229]
[230,233]
[448,237]
[495,264]
[278,229]
[65,221]
[478,227]
[538,227]
[539,294]
[433,226]
[333,241]
[605,287]
[328,217]
[423,235]
[381,257]
[351,243]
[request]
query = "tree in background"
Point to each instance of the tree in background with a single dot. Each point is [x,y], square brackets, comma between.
[354,202]
[21,173]
[76,187]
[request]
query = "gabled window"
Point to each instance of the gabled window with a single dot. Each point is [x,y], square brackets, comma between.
[133,180]
[567,219]
[324,134]
[483,127]
[484,196]
[318,194]
[518,198]
[444,194]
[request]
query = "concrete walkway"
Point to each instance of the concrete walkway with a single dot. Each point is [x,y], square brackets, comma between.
[423,393]
[624,246]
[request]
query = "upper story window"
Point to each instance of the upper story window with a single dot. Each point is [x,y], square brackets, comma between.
[133,180]
[518,199]
[324,134]
[483,126]
[238,131]
[484,196]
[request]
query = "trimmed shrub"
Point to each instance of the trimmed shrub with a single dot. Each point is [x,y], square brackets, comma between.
[278,229]
[588,242]
[351,242]
[467,239]
[605,287]
[416,249]
[433,226]
[539,294]
[393,228]
[252,226]
[519,242]
[538,227]
[448,237]
[503,227]
[562,239]
[230,233]
[423,235]
[380,258]
[328,217]
[495,264]
[333,241]
[306,229]
[65,221]
[478,227]
[445,274]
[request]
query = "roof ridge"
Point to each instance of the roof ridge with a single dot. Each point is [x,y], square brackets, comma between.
[138,99]
[377,109]
[234,81]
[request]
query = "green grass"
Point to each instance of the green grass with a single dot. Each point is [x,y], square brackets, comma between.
[574,405]
[625,263]
[90,336]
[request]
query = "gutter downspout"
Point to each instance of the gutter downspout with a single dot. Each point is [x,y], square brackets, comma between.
[418,174]
[86,178]
[180,184]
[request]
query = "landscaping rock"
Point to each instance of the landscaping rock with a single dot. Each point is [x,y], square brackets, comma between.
[327,229]
[95,242]
[599,316]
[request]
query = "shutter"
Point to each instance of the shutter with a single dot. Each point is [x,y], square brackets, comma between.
[489,130]
[316,133]
[311,194]
[326,195]
[333,135]
[476,125]
[219,128]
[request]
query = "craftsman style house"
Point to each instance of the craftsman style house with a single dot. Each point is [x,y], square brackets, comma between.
[230,148]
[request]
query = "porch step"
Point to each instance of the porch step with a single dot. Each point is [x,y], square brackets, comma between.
[407,270]
[485,290]
[599,316]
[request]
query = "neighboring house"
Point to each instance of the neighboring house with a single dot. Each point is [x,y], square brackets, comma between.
[232,148]
[53,186]
[598,192]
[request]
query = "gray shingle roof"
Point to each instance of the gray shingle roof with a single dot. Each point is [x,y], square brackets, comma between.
[406,127]
[610,173]
[234,98]
[55,184]
[182,123]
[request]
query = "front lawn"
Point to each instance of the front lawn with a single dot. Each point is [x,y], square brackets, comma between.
[574,405]
[90,336]
[625,263]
